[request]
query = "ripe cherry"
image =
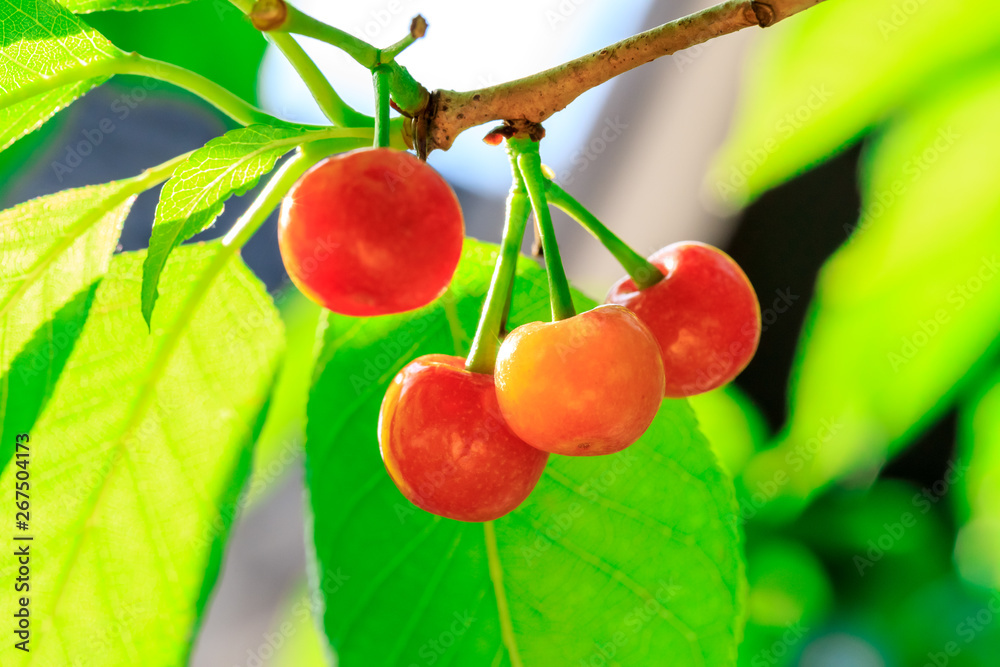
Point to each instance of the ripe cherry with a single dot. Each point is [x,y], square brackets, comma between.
[703,313]
[371,232]
[587,385]
[446,445]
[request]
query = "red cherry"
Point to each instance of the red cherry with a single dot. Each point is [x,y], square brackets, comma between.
[587,385]
[371,232]
[704,314]
[446,445]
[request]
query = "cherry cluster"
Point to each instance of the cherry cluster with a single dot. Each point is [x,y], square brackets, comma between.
[471,445]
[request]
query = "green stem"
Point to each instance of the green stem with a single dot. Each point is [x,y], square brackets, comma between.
[269,198]
[643,272]
[303,24]
[410,96]
[483,355]
[133,63]
[380,78]
[330,103]
[530,164]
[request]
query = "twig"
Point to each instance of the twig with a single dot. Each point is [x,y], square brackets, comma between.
[534,98]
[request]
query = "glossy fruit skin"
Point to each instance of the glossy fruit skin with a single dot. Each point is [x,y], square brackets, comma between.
[584,386]
[446,446]
[704,314]
[371,232]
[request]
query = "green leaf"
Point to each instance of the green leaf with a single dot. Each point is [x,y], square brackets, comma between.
[209,27]
[732,424]
[977,475]
[281,441]
[136,462]
[819,80]
[904,311]
[38,40]
[635,553]
[85,6]
[196,194]
[52,249]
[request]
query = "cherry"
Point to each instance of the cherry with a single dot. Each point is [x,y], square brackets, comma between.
[703,313]
[371,232]
[446,445]
[586,385]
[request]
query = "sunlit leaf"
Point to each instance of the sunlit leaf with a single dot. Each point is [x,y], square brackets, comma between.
[84,6]
[732,424]
[634,554]
[136,463]
[196,194]
[38,40]
[52,250]
[911,303]
[821,79]
[977,553]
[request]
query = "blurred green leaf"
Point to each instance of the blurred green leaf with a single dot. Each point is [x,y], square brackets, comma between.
[790,597]
[196,194]
[821,79]
[210,37]
[905,309]
[732,423]
[38,40]
[136,464]
[633,555]
[977,552]
[296,633]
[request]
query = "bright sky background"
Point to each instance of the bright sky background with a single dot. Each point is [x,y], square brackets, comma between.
[505,41]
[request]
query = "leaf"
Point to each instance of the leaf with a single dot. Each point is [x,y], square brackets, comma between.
[38,40]
[195,196]
[210,28]
[136,463]
[51,250]
[977,477]
[905,310]
[821,79]
[85,6]
[731,423]
[634,553]
[280,444]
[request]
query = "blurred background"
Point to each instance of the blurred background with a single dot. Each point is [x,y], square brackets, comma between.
[845,158]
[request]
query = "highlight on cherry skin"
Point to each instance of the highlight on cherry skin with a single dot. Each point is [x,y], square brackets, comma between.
[446,445]
[704,314]
[587,385]
[371,232]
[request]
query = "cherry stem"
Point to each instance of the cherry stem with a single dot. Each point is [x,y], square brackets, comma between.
[643,272]
[483,355]
[380,77]
[530,164]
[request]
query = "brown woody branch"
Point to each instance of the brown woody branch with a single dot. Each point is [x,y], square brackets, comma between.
[528,101]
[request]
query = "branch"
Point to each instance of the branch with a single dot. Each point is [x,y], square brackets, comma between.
[534,98]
